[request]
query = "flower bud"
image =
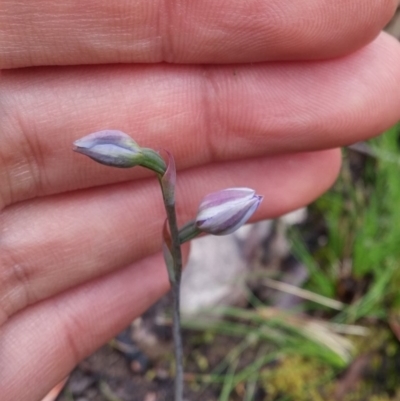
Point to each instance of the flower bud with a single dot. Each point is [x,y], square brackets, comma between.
[225,211]
[110,147]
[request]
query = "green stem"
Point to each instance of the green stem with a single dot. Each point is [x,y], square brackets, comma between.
[153,161]
[175,281]
[188,232]
[177,335]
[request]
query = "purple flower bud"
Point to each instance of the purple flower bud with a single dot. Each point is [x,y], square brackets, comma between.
[110,147]
[225,211]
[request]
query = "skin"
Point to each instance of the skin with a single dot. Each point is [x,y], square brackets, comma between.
[258,94]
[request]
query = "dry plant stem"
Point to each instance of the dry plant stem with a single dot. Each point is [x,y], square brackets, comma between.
[175,286]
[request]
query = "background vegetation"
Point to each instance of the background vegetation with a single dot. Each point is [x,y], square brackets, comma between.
[341,342]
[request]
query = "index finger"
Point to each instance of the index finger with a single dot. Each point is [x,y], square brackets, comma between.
[47,32]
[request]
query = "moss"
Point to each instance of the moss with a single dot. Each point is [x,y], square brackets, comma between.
[297,378]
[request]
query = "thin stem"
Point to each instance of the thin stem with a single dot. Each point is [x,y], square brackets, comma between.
[188,231]
[177,334]
[176,284]
[176,244]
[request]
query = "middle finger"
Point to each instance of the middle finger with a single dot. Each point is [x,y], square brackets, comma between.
[200,114]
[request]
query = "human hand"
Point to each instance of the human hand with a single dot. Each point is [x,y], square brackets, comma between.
[79,241]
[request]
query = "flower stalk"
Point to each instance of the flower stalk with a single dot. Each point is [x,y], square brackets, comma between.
[173,260]
[219,213]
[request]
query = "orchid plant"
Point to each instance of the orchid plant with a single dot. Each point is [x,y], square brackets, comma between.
[219,213]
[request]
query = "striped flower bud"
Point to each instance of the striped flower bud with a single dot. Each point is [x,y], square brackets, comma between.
[110,147]
[225,211]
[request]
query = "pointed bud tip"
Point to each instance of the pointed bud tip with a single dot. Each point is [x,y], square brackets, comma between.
[110,147]
[225,211]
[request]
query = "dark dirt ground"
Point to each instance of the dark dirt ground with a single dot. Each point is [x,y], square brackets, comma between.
[108,375]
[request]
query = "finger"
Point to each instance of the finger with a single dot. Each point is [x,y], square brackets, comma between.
[42,344]
[70,32]
[51,244]
[200,115]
